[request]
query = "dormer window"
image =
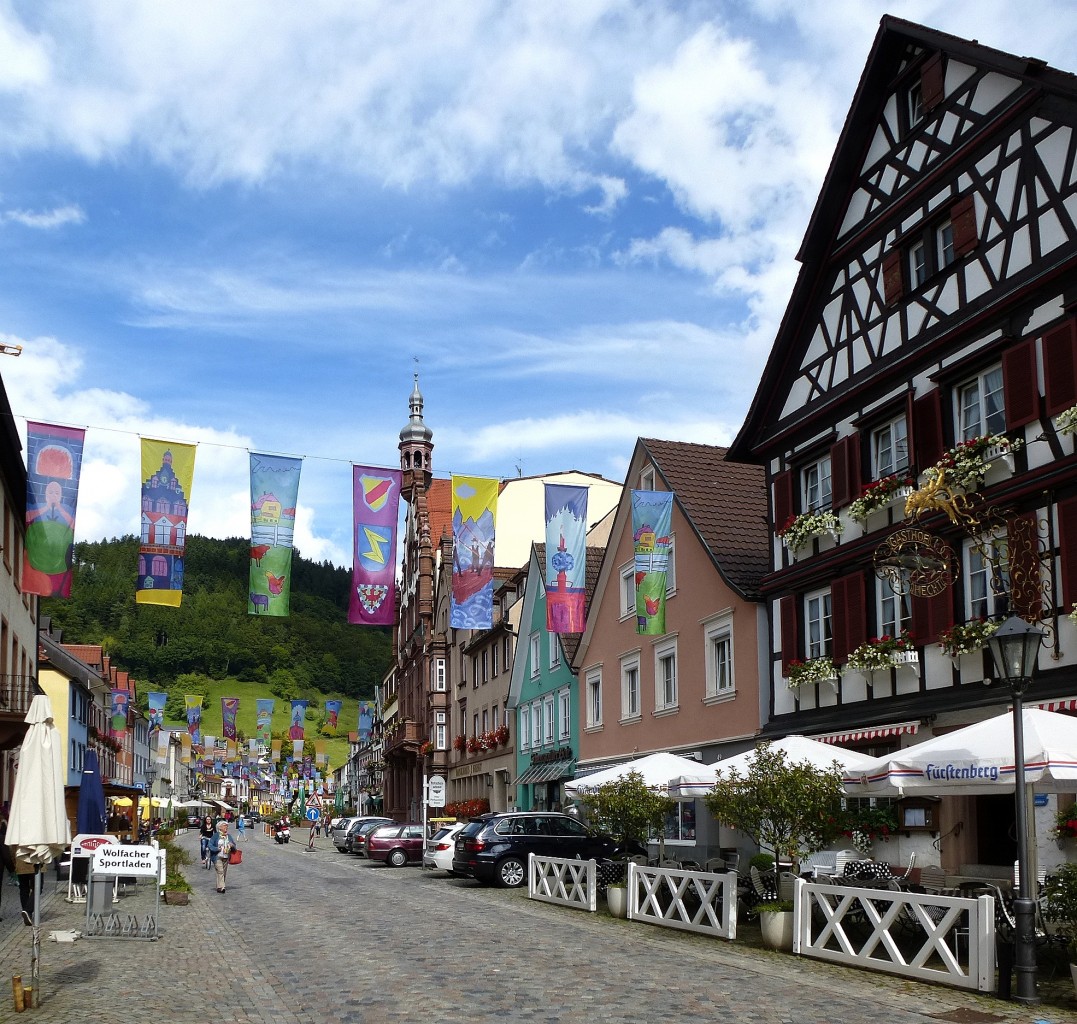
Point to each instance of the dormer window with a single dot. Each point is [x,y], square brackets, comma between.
[914,104]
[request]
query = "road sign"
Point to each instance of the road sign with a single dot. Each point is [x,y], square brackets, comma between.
[313,814]
[436,791]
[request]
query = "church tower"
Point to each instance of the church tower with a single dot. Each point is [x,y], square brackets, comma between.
[416,446]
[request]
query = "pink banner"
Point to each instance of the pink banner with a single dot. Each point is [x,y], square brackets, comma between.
[375,506]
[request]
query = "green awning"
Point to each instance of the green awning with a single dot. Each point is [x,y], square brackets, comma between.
[546,771]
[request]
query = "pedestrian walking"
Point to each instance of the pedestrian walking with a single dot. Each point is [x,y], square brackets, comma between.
[220,846]
[205,833]
[26,873]
[241,826]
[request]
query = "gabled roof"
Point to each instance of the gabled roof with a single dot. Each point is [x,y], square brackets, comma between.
[571,641]
[890,52]
[725,503]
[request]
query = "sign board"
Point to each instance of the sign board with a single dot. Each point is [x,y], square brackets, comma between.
[313,814]
[127,860]
[435,796]
[84,844]
[314,800]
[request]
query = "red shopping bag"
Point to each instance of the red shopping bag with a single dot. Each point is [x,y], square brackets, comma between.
[235,857]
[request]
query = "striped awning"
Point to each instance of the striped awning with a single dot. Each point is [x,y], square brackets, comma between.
[1066,704]
[841,739]
[545,772]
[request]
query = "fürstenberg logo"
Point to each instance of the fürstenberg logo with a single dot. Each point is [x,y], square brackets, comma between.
[951,771]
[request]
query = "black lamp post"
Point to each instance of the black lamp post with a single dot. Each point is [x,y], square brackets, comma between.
[1015,647]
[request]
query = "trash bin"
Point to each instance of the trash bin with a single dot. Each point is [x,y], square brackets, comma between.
[100,896]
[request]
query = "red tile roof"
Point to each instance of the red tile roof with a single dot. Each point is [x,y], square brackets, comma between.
[439,509]
[726,503]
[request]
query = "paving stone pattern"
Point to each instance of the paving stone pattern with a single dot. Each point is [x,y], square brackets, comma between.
[306,938]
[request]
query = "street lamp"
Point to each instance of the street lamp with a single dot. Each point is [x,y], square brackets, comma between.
[1015,647]
[150,774]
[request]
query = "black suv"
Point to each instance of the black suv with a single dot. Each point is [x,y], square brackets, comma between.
[494,847]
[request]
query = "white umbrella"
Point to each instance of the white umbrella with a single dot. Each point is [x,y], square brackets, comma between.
[656,769]
[979,759]
[38,828]
[798,750]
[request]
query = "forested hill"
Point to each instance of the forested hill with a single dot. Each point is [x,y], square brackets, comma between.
[211,633]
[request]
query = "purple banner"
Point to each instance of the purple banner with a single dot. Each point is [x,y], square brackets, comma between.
[566,558]
[375,505]
[229,710]
[53,465]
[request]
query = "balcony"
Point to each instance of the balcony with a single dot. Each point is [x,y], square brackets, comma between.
[16,693]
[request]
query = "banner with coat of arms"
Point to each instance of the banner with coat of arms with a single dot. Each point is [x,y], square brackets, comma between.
[375,507]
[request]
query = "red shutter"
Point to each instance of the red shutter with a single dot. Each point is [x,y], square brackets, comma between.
[1060,367]
[1020,387]
[931,615]
[927,429]
[849,627]
[963,222]
[845,471]
[790,639]
[1026,591]
[932,81]
[893,281]
[783,499]
[1067,550]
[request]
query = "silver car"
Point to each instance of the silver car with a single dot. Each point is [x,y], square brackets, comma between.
[340,832]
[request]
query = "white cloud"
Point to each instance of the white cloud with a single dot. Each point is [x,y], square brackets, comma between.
[46,219]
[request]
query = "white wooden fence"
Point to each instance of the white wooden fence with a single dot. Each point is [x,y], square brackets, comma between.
[694,901]
[568,883]
[863,927]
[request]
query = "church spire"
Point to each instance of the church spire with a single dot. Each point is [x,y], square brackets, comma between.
[416,443]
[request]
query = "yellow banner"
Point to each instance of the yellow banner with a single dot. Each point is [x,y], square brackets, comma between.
[167,474]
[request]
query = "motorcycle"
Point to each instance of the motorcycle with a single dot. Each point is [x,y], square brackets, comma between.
[282,833]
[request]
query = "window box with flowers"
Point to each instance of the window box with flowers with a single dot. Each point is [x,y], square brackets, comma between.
[816,670]
[883,653]
[966,638]
[501,734]
[474,745]
[426,748]
[459,742]
[966,464]
[890,490]
[801,530]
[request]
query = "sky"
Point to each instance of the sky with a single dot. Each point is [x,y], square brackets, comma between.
[246,225]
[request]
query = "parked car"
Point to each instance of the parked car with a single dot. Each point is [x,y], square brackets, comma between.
[360,830]
[494,847]
[396,844]
[193,821]
[253,817]
[441,847]
[340,832]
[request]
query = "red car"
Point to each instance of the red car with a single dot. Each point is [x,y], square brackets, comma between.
[397,844]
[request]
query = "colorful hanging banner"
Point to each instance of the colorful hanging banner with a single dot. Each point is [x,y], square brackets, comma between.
[274,750]
[229,710]
[193,704]
[321,750]
[162,745]
[566,558]
[53,465]
[474,512]
[118,720]
[297,750]
[375,509]
[299,713]
[366,720]
[264,721]
[652,524]
[332,712]
[156,703]
[185,747]
[274,494]
[167,474]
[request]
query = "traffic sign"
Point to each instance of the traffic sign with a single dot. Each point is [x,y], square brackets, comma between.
[313,814]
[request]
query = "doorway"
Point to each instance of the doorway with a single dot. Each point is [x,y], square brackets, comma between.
[996,830]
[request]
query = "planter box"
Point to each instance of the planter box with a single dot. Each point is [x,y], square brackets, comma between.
[175,898]
[906,658]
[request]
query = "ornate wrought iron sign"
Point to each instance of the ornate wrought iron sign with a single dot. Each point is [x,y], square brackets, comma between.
[913,561]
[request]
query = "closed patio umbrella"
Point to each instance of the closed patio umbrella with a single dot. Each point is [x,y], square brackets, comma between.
[37,827]
[91,816]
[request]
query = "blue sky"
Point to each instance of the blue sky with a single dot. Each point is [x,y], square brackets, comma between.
[240,225]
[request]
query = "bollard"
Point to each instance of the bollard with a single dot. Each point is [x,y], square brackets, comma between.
[28,998]
[16,991]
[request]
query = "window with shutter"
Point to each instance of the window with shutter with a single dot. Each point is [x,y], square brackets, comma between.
[1019,384]
[932,81]
[893,278]
[1060,367]
[963,225]
[845,470]
[931,615]
[1026,590]
[849,625]
[783,499]
[927,429]
[1067,550]
[787,611]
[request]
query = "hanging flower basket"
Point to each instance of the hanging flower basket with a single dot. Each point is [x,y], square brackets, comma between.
[966,638]
[881,653]
[890,490]
[801,530]
[816,670]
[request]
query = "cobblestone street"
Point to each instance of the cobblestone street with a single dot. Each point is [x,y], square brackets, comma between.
[312,937]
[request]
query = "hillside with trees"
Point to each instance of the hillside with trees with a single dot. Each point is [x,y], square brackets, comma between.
[314,650]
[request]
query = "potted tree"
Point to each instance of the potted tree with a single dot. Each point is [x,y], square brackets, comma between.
[630,811]
[792,809]
[1060,909]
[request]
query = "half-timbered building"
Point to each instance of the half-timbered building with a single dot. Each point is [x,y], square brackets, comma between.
[915,417]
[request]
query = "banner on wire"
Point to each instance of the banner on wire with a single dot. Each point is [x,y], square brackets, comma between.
[156,704]
[53,467]
[332,712]
[167,474]
[264,721]
[299,714]
[229,710]
[193,705]
[474,513]
[118,722]
[274,496]
[375,509]
[274,750]
[321,750]
[566,558]
[652,526]
[366,720]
